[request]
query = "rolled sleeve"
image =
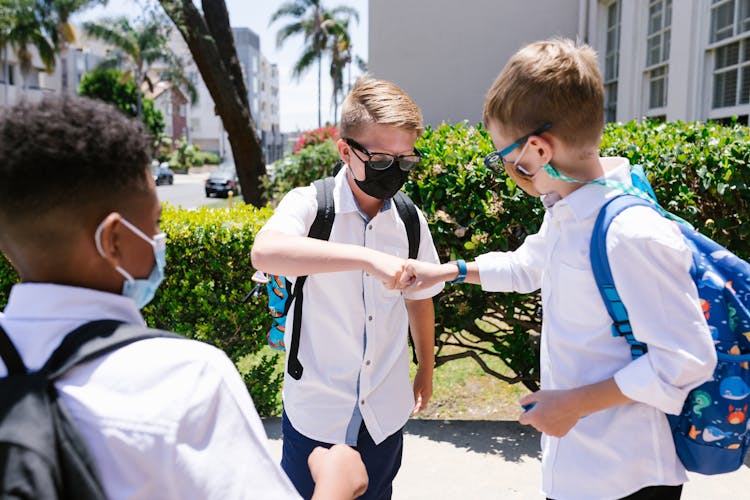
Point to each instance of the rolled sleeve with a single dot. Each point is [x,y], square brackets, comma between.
[295,213]
[518,271]
[651,271]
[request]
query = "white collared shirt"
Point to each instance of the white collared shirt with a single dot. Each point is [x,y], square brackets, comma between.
[163,418]
[615,452]
[338,307]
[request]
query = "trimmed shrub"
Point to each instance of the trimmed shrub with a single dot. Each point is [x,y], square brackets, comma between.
[207,276]
[300,169]
[320,135]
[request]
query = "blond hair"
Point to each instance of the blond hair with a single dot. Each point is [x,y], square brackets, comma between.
[553,81]
[378,102]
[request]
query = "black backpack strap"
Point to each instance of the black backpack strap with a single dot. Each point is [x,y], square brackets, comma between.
[408,213]
[9,353]
[320,229]
[95,339]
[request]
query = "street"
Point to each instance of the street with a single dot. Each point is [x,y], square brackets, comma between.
[187,191]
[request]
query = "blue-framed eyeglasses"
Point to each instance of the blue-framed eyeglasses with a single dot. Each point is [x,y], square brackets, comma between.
[495,160]
[381,161]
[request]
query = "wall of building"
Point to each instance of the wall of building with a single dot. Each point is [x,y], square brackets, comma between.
[446,54]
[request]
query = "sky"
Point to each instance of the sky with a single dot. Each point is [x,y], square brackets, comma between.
[298,99]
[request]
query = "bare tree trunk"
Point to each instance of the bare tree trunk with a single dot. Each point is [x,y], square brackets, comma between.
[320,64]
[212,45]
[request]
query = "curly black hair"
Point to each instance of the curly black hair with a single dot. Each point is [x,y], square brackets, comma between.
[63,152]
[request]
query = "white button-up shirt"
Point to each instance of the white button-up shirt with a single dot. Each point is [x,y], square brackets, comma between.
[618,451]
[162,418]
[338,308]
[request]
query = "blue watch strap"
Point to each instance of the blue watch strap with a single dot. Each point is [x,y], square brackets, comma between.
[461,264]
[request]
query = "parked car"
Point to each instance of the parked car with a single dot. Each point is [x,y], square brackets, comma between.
[163,174]
[223,181]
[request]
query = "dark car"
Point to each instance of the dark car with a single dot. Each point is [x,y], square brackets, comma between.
[163,175]
[222,182]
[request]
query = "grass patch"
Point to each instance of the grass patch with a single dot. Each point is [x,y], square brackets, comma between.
[461,390]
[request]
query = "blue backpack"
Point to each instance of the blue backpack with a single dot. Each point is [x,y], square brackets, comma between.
[280,294]
[711,434]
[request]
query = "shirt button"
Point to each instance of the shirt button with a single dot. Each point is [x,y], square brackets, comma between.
[369,318]
[368,362]
[369,227]
[362,402]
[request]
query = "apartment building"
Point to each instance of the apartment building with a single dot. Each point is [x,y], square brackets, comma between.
[665,59]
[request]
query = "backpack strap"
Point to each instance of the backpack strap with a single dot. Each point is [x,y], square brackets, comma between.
[9,353]
[95,339]
[408,213]
[603,272]
[320,229]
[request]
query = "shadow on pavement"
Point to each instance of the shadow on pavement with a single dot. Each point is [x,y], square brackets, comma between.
[505,439]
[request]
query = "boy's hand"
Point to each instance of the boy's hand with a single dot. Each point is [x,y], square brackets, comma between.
[422,389]
[388,269]
[418,275]
[338,472]
[554,412]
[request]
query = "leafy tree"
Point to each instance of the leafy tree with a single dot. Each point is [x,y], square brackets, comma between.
[119,88]
[139,48]
[211,42]
[340,48]
[23,26]
[314,22]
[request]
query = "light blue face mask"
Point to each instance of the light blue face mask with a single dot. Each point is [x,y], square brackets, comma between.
[140,290]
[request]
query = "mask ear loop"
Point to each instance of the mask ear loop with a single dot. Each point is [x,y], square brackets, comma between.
[100,249]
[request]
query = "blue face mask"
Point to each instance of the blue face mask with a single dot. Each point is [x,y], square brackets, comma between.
[140,290]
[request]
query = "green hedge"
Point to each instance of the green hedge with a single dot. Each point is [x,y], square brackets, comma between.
[207,275]
[698,170]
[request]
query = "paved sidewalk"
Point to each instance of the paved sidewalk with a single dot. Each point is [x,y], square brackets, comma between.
[479,459]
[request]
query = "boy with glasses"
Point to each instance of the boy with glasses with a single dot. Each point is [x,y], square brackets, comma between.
[353,344]
[601,413]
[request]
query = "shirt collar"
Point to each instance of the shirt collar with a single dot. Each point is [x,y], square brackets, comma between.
[343,197]
[47,301]
[589,198]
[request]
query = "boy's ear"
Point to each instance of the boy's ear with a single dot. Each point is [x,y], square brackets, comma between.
[542,148]
[110,238]
[345,151]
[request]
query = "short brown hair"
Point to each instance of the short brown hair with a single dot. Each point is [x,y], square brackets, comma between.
[378,102]
[553,81]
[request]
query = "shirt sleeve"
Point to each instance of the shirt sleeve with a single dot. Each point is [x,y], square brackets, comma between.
[517,271]
[651,269]
[427,253]
[221,445]
[295,213]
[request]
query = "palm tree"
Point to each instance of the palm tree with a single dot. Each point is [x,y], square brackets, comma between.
[340,48]
[309,18]
[22,27]
[138,48]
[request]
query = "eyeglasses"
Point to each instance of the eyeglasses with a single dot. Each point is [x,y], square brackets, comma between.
[381,161]
[495,160]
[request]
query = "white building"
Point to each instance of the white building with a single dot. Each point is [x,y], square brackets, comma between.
[674,60]
[269,111]
[14,85]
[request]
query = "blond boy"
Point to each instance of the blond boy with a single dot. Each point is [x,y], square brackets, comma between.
[545,114]
[355,387]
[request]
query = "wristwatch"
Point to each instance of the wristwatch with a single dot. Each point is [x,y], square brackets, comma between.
[461,264]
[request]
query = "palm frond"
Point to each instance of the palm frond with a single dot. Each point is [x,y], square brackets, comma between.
[349,12]
[289,30]
[305,62]
[294,8]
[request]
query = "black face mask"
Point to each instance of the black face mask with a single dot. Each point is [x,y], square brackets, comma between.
[382,184]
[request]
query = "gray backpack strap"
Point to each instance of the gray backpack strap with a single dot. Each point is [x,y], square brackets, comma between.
[408,213]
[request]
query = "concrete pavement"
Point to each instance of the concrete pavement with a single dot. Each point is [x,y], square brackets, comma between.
[478,460]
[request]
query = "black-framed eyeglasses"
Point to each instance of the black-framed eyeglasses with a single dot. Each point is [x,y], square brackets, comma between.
[381,161]
[494,161]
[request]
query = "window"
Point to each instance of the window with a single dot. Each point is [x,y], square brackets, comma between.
[612,61]
[730,32]
[657,51]
[195,124]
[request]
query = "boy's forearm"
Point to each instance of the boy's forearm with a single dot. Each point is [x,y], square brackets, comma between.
[598,396]
[278,253]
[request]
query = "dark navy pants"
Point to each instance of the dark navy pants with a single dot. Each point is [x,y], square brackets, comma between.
[381,461]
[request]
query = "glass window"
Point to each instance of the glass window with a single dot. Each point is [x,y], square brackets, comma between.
[658,88]
[722,20]
[612,61]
